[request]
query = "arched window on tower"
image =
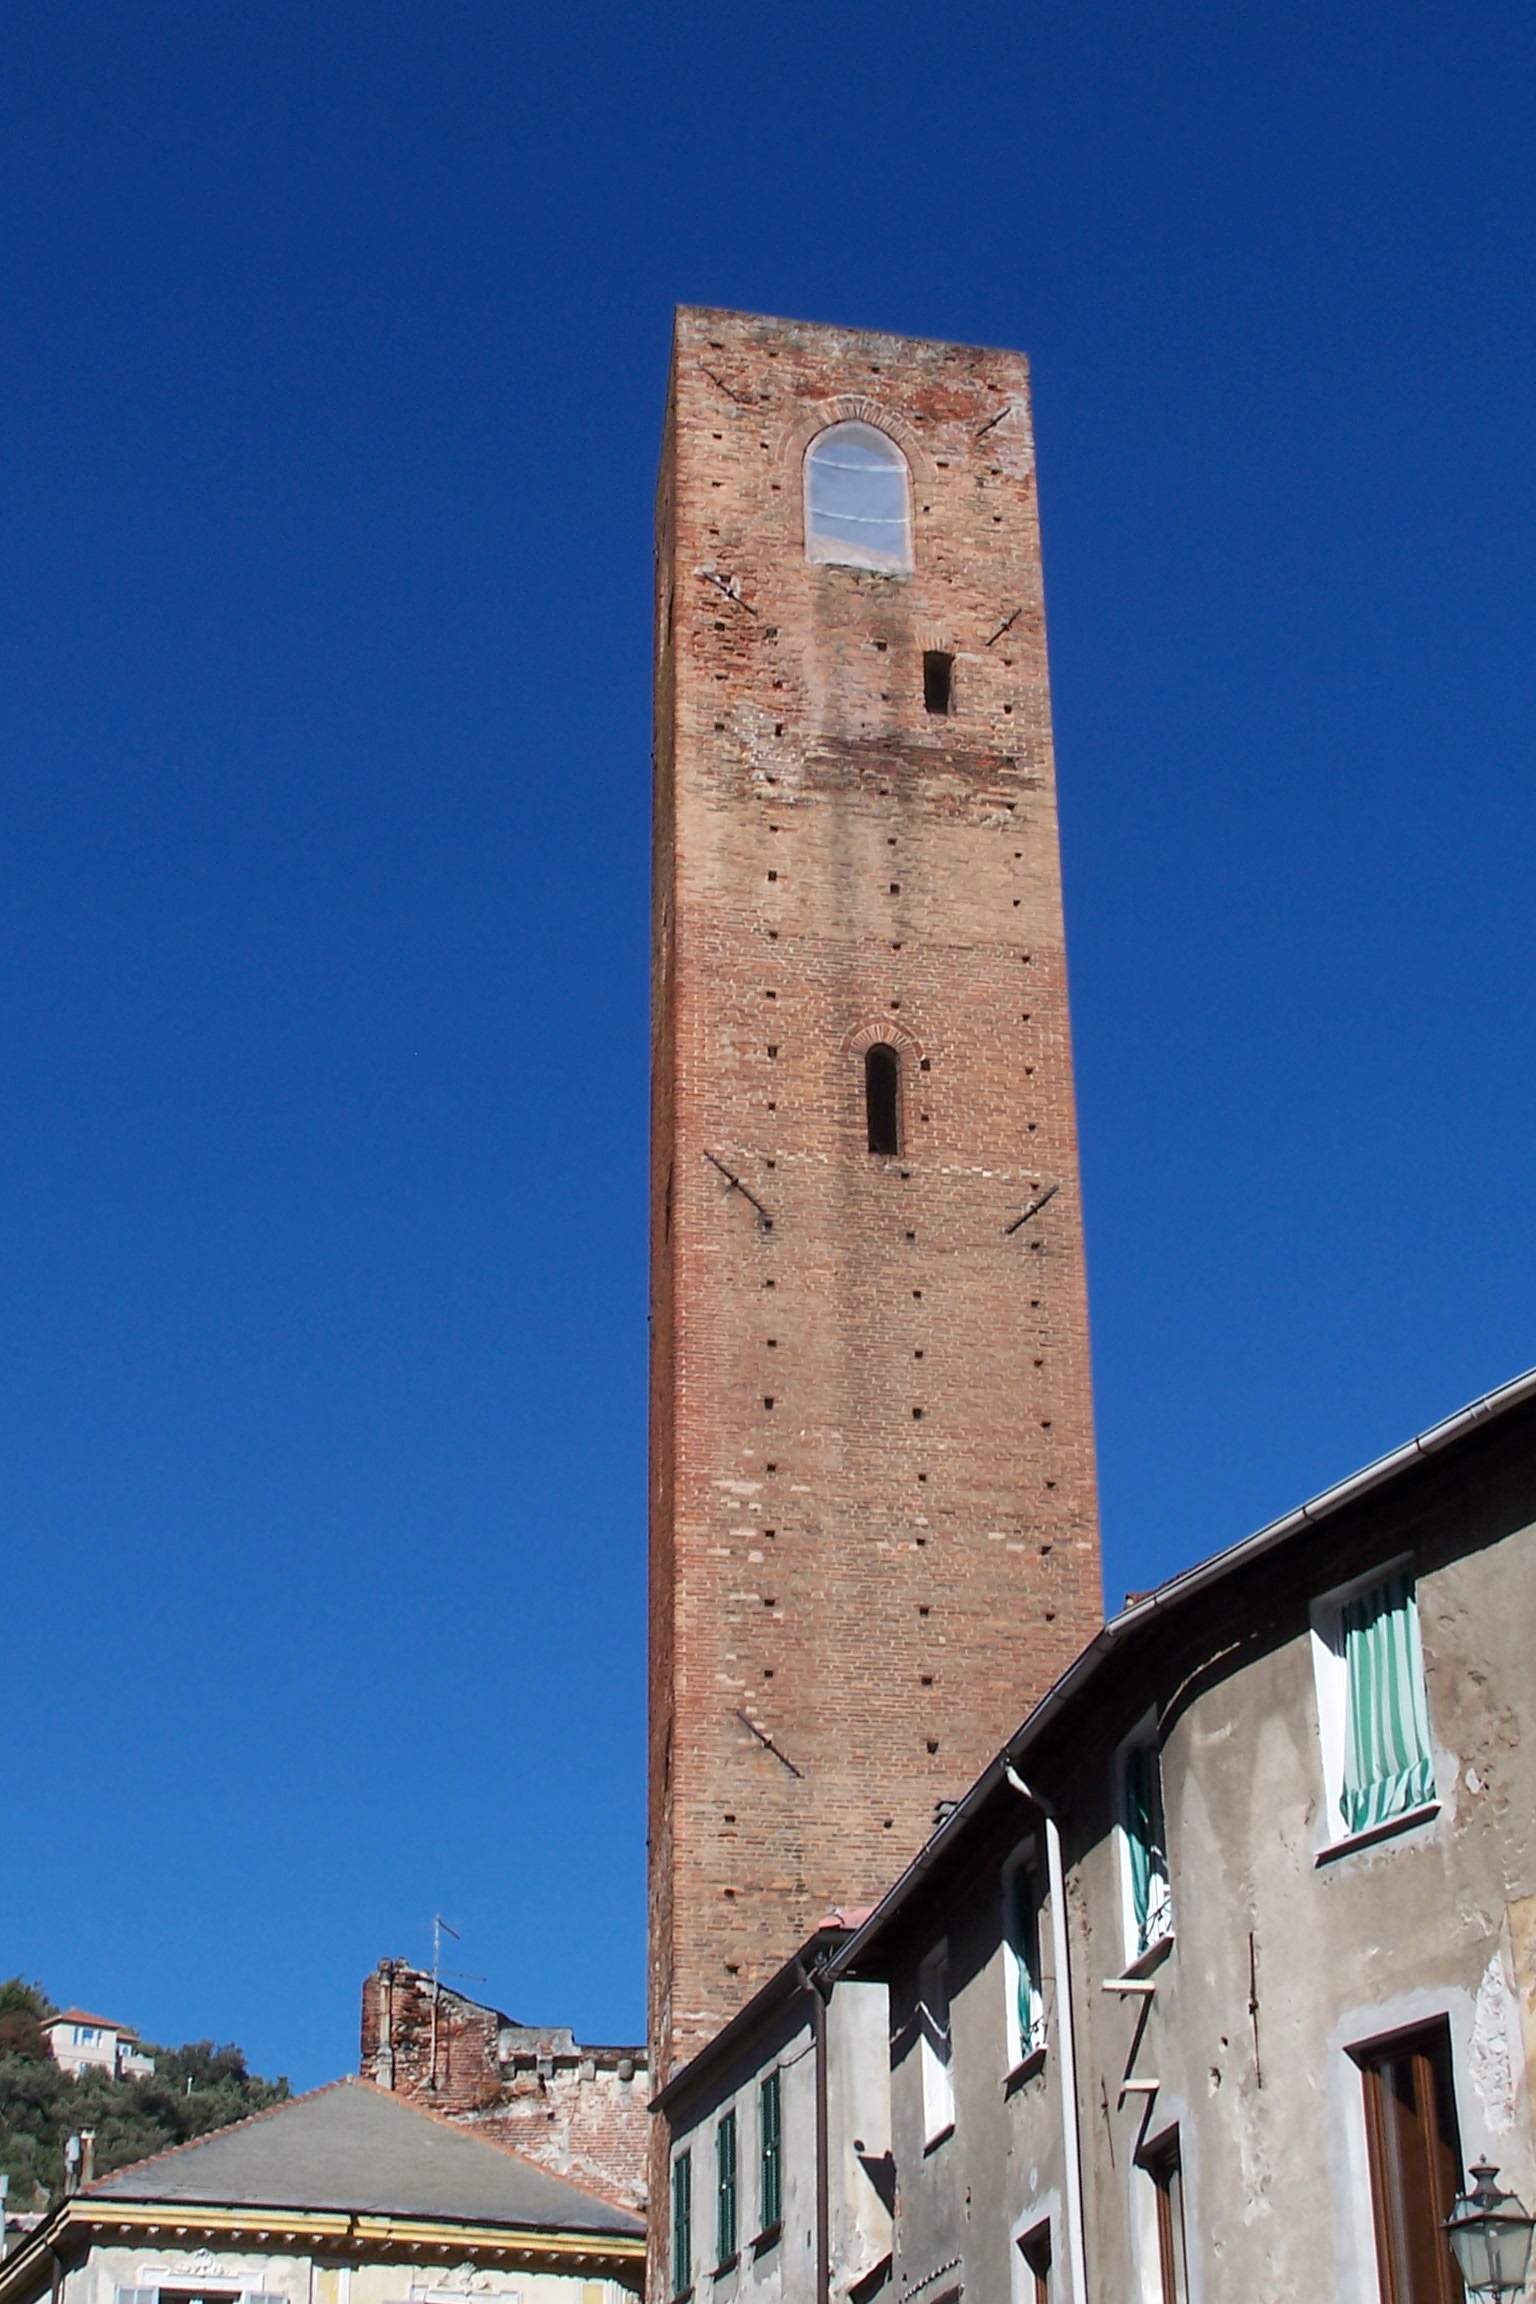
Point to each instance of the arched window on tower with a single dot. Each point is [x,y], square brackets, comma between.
[857,499]
[882,1097]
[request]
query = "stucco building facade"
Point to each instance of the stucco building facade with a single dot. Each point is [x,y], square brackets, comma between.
[343,2196]
[1224,1970]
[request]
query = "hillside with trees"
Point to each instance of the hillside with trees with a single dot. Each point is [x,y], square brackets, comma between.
[192,2089]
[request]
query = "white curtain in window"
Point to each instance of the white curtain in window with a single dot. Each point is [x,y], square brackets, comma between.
[856,499]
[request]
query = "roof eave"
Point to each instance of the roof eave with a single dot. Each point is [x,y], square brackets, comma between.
[1113,1635]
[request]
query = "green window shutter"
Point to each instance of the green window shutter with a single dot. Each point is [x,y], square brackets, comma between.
[769,2118]
[725,2188]
[682,2223]
[1146,1841]
[1387,1762]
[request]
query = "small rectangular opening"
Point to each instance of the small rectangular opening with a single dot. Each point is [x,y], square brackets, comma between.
[938,680]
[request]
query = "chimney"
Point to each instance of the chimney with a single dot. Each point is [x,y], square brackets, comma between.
[87,2155]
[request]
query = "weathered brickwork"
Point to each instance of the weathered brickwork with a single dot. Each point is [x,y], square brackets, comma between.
[579,2112]
[873,1523]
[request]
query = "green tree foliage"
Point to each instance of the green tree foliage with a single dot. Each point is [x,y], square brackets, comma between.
[22,2010]
[192,2089]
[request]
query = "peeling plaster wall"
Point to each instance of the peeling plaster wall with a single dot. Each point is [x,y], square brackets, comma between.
[1288,1953]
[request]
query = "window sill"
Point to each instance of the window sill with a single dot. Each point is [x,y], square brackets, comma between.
[1025,2069]
[1384,1831]
[1144,1962]
[681,2295]
[940,2136]
[726,2264]
[766,2239]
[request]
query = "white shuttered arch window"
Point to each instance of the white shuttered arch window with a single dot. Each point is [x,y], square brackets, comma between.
[858,508]
[1373,1714]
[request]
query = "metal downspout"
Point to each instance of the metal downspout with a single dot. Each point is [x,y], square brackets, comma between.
[812,1983]
[1066,2045]
[823,2171]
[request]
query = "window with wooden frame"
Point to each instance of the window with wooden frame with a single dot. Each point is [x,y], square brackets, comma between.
[1413,2143]
[1035,2248]
[682,2224]
[725,2190]
[770,2146]
[1165,2172]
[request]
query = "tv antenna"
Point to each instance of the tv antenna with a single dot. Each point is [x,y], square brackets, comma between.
[440,1929]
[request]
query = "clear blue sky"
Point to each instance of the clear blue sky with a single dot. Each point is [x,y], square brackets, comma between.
[333,362]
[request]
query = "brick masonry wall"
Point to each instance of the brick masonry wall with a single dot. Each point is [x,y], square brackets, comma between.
[579,2112]
[874,1534]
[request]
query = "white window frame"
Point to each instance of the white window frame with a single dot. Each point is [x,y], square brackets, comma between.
[935,2043]
[1144,1737]
[1330,1676]
[1022,1900]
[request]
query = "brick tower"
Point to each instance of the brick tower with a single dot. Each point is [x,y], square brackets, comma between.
[873,1529]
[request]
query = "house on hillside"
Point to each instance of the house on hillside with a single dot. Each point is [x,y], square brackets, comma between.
[82,2042]
[344,2196]
[1221,1975]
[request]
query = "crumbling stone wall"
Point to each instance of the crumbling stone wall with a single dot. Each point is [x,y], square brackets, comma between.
[578,2111]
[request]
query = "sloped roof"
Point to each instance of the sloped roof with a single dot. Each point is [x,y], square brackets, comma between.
[84,2016]
[351,2147]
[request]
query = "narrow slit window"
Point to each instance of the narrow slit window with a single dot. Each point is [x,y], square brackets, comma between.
[938,681]
[857,508]
[882,1098]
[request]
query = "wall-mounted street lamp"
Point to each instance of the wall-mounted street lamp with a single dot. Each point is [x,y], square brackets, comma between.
[1490,2236]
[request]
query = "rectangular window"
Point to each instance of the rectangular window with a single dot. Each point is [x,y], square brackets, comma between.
[1149,1903]
[770,2114]
[938,680]
[934,2047]
[725,2190]
[1165,2170]
[1035,2248]
[1414,2148]
[1371,1706]
[682,2224]
[1021,1959]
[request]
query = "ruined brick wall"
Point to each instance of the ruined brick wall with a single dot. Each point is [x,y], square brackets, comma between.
[873,1519]
[578,2111]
